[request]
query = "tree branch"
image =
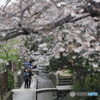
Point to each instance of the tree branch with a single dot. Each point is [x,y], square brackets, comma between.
[48,27]
[67,19]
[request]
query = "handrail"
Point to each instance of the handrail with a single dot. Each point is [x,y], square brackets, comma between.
[45,90]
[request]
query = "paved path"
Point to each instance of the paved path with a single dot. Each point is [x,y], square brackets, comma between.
[44,82]
[30,94]
[26,94]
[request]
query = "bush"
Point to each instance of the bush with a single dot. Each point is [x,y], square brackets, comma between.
[71,98]
[10,80]
[98,97]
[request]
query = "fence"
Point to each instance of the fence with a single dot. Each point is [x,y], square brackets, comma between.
[3,80]
[65,80]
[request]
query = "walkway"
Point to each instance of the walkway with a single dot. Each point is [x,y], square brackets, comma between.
[44,82]
[30,94]
[26,94]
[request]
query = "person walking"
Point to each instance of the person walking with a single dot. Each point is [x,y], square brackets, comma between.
[26,77]
[30,77]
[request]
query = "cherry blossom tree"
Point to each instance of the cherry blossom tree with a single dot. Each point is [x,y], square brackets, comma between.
[37,17]
[49,28]
[71,25]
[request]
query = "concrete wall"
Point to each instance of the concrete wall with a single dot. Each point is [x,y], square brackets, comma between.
[54,78]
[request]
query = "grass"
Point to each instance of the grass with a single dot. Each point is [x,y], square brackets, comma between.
[67,72]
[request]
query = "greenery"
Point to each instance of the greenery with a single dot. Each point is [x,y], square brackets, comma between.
[8,52]
[72,98]
[67,71]
[98,97]
[10,80]
[86,78]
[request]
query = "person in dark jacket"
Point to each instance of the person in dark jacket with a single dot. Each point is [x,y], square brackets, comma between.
[30,77]
[26,77]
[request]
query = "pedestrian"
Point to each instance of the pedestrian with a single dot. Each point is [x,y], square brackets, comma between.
[30,77]
[26,77]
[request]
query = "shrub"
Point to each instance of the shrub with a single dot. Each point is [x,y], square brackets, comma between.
[10,80]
